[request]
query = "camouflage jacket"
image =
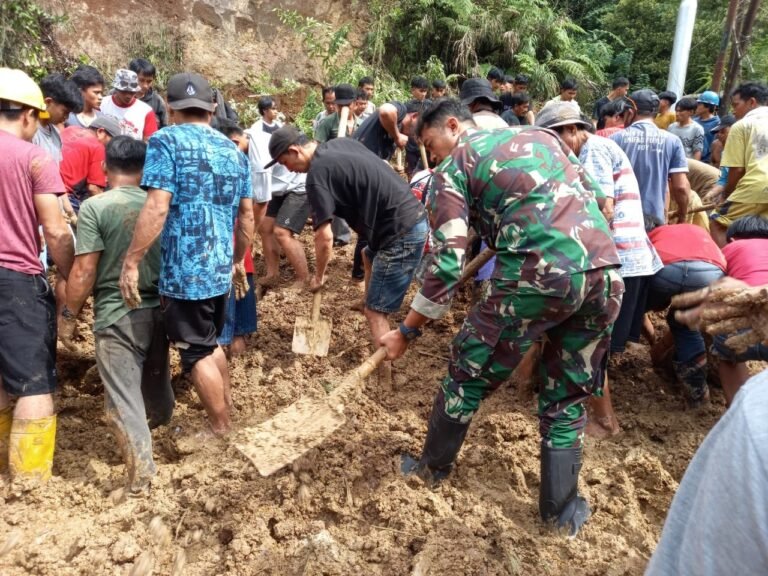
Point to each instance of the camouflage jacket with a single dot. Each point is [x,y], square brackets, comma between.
[530,200]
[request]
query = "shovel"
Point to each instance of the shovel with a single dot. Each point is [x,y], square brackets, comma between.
[307,422]
[312,335]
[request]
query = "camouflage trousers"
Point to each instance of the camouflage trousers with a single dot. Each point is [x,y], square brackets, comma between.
[574,321]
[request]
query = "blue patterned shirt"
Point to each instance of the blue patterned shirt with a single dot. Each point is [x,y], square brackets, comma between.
[207,176]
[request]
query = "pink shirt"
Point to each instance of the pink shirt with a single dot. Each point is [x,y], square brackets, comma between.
[25,170]
[748,260]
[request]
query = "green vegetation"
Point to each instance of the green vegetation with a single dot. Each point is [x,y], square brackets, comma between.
[25,37]
[161,45]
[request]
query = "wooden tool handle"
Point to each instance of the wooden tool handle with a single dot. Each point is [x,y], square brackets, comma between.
[478,262]
[400,159]
[365,369]
[317,297]
[424,160]
[343,118]
[704,208]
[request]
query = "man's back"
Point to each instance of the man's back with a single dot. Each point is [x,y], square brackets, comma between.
[747,148]
[25,170]
[105,224]
[82,161]
[373,136]
[207,176]
[505,177]
[655,155]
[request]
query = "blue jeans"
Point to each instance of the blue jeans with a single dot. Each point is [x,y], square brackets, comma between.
[393,269]
[678,278]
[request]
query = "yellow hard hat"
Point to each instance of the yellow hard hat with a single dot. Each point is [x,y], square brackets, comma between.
[16,86]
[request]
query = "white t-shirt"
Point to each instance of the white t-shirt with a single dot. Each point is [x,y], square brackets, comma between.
[718,522]
[137,120]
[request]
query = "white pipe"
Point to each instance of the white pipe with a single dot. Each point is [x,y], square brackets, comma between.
[678,66]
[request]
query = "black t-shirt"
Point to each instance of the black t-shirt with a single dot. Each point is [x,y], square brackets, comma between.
[373,136]
[347,180]
[599,107]
[509,117]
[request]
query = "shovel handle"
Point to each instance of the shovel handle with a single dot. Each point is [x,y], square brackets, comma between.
[424,160]
[365,369]
[477,262]
[317,297]
[343,118]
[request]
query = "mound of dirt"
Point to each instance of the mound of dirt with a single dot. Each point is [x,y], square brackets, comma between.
[344,508]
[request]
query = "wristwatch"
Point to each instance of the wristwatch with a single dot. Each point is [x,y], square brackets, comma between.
[409,333]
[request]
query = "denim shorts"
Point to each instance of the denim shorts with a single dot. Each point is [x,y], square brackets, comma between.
[719,349]
[241,315]
[393,269]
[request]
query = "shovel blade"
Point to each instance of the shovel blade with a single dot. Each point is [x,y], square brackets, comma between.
[311,337]
[287,436]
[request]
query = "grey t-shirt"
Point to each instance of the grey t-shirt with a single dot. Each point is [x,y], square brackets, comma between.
[718,521]
[692,137]
[48,138]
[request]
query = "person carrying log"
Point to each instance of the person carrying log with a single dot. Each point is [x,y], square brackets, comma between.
[555,278]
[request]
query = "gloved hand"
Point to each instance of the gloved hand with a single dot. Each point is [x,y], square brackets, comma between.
[240,281]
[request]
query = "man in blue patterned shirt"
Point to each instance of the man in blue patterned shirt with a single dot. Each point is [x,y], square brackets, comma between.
[197,182]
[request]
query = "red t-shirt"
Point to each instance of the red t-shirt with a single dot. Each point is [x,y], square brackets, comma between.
[82,159]
[680,242]
[748,260]
[25,170]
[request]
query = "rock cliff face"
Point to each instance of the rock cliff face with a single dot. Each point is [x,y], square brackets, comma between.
[226,40]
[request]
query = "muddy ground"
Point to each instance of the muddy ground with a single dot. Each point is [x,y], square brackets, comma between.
[214,515]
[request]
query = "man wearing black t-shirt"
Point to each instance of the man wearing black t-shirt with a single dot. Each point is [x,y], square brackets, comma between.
[345,179]
[389,127]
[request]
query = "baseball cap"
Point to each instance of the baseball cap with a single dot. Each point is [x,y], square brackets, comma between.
[725,122]
[108,123]
[560,114]
[345,94]
[645,100]
[189,90]
[709,97]
[280,141]
[126,81]
[16,86]
[477,88]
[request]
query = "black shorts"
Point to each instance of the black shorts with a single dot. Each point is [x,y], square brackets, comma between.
[290,211]
[193,326]
[27,334]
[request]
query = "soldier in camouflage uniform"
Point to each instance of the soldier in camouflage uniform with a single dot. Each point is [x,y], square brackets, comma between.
[555,278]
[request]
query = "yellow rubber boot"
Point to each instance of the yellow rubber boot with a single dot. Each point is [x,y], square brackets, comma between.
[6,419]
[31,448]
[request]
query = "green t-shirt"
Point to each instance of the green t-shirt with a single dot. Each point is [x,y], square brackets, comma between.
[105,224]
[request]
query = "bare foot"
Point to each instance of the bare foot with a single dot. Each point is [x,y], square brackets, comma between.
[358,305]
[602,428]
[268,281]
[298,286]
[238,346]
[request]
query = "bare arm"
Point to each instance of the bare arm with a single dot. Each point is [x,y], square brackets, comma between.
[607,208]
[323,251]
[82,277]
[697,155]
[245,227]
[388,119]
[148,226]
[734,176]
[57,234]
[259,211]
[679,189]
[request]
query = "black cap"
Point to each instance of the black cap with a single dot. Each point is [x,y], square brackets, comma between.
[476,89]
[645,101]
[188,90]
[280,140]
[345,94]
[725,122]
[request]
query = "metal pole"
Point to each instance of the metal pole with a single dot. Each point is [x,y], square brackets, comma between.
[686,18]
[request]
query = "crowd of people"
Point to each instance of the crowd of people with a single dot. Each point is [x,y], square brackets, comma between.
[151,206]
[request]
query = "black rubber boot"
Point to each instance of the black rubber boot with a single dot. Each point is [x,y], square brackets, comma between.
[444,439]
[559,500]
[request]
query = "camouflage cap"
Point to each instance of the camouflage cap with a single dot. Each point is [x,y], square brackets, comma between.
[560,114]
[126,81]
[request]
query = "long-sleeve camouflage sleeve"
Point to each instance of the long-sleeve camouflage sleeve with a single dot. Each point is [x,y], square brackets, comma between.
[450,221]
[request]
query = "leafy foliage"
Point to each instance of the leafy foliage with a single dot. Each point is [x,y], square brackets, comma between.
[25,37]
[161,45]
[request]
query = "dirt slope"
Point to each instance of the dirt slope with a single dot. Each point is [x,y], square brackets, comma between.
[356,513]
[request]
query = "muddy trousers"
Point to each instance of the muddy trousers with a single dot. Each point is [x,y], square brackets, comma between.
[575,327]
[132,357]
